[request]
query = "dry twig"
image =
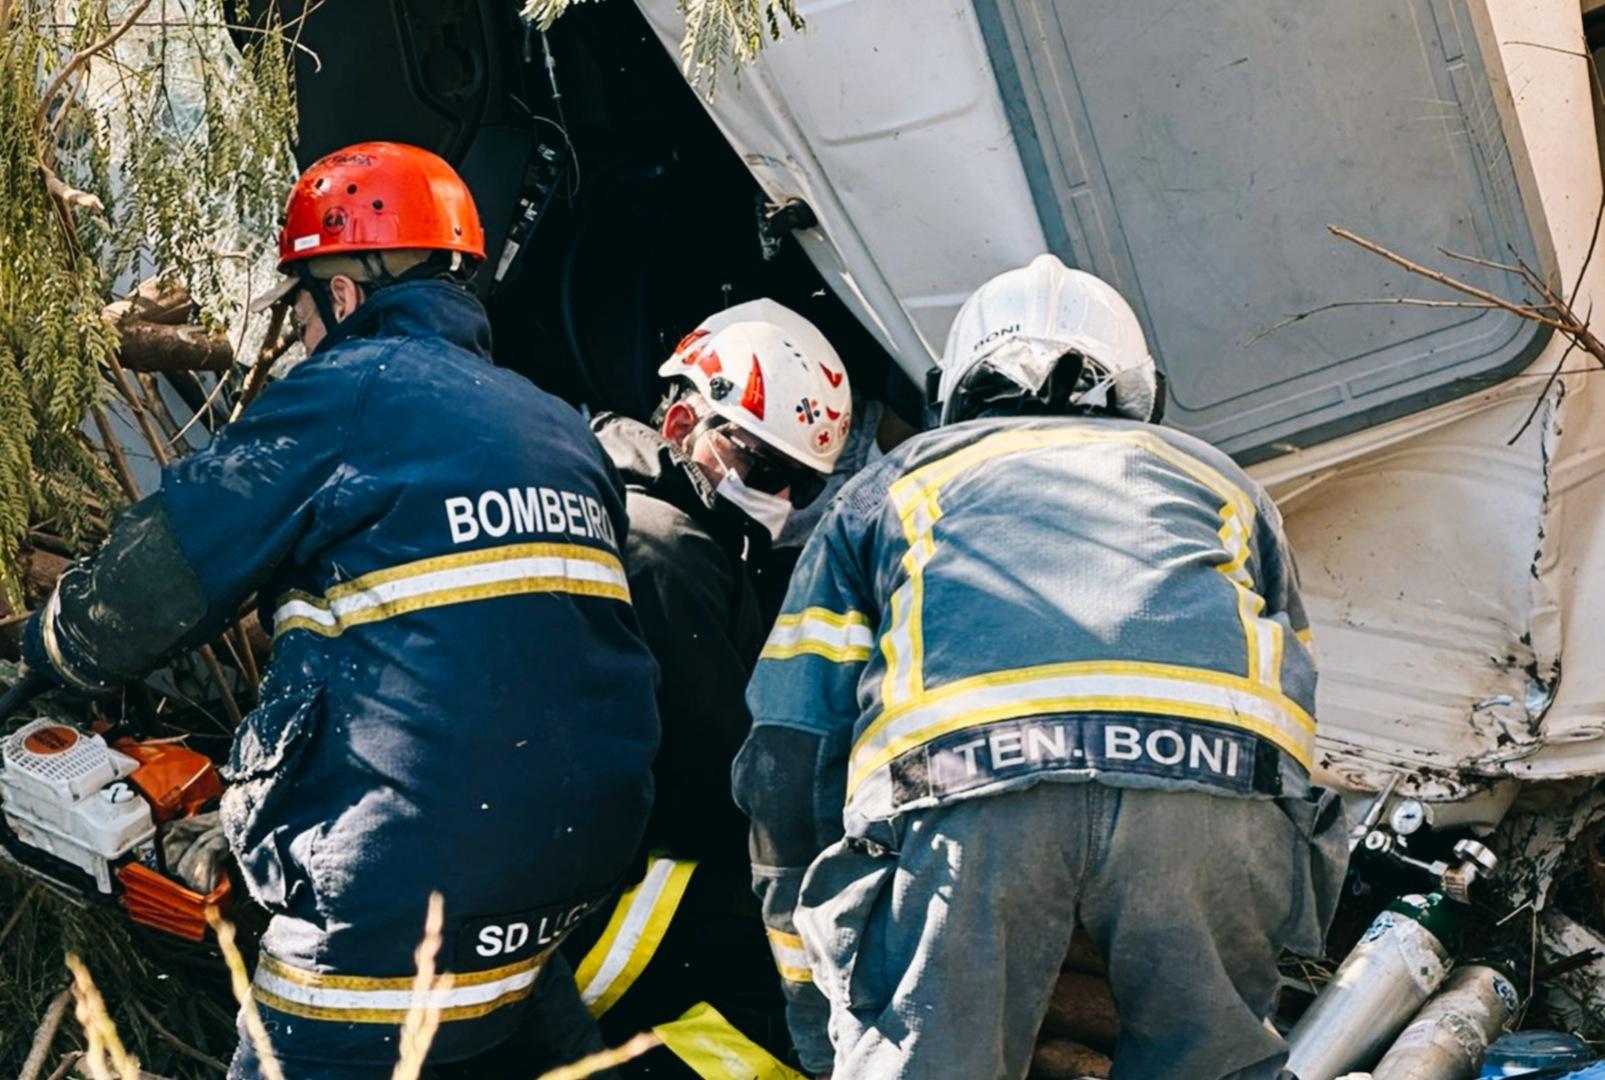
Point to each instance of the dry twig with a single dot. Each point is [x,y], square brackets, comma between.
[22,903]
[226,695]
[254,1028]
[1405,301]
[99,1031]
[45,1036]
[1556,312]
[423,1011]
[607,1059]
[114,450]
[175,1042]
[274,345]
[68,1062]
[1491,299]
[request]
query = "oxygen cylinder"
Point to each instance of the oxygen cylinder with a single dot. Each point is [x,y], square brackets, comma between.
[1403,957]
[1449,1037]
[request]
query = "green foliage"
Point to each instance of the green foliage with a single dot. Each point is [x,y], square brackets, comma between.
[172,150]
[719,34]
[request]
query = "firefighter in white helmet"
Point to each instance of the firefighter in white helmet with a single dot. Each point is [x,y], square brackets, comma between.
[1051,663]
[757,409]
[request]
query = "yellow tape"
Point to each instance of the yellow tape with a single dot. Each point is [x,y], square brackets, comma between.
[711,1047]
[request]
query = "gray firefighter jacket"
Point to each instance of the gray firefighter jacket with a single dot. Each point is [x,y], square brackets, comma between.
[1007,601]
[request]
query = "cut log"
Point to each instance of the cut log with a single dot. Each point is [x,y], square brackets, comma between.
[153,301]
[1083,1009]
[1064,1059]
[148,346]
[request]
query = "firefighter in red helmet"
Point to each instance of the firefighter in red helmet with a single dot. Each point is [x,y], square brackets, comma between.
[460,700]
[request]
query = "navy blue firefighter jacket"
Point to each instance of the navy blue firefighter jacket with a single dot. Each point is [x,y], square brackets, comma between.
[459,699]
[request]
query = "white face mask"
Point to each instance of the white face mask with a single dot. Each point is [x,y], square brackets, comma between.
[769,511]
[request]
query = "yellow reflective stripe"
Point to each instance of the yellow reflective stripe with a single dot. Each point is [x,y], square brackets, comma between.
[846,654]
[895,629]
[844,638]
[1089,686]
[791,960]
[382,1016]
[320,995]
[710,1046]
[903,642]
[1017,676]
[1234,535]
[1306,638]
[513,569]
[1273,666]
[464,559]
[633,933]
[840,620]
[1249,604]
[332,981]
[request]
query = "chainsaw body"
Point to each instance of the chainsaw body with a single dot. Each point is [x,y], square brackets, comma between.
[90,819]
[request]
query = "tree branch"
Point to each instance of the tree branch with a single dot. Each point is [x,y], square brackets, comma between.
[1407,301]
[1444,279]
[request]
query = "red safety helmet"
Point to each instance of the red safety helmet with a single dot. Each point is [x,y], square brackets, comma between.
[375,196]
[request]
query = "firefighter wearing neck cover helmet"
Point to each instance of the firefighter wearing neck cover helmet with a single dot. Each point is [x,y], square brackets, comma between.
[1052,659]
[459,701]
[757,410]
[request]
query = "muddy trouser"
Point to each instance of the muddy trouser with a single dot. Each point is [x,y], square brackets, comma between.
[939,959]
[554,1030]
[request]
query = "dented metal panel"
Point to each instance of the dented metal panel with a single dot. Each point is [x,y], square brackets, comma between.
[1457,577]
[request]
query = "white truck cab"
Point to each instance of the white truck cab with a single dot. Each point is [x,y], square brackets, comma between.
[1194,155]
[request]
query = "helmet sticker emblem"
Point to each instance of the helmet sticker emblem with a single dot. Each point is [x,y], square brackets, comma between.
[694,350]
[832,413]
[824,437]
[752,397]
[807,411]
[301,243]
[334,219]
[833,377]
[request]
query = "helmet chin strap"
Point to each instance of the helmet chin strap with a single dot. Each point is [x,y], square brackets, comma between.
[322,296]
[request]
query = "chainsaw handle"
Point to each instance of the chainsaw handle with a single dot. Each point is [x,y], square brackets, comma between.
[22,691]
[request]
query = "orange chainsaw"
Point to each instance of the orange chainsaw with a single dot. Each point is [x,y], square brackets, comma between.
[131,822]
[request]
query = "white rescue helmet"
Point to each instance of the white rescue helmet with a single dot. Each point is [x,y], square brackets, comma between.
[770,372]
[1022,322]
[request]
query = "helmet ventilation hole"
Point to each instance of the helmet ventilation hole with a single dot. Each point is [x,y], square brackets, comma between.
[351,189]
